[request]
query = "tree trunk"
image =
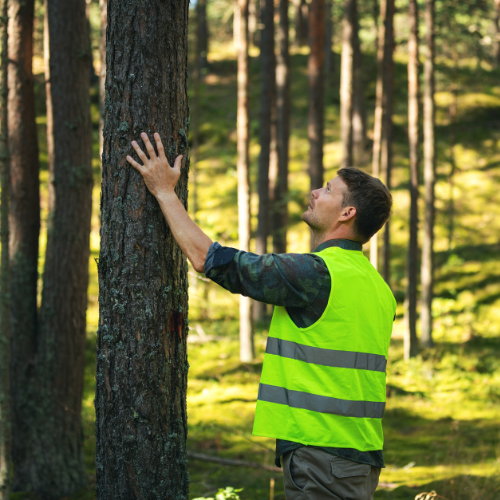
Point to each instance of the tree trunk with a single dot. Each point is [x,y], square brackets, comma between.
[141,379]
[103,4]
[410,338]
[280,196]
[5,410]
[247,349]
[267,123]
[451,178]
[496,43]
[384,68]
[253,21]
[328,38]
[427,275]
[315,67]
[57,447]
[202,36]
[24,222]
[301,22]
[347,81]
[359,107]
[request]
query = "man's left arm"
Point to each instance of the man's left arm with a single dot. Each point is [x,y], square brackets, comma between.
[161,179]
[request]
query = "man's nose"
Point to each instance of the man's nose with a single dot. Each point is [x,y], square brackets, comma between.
[315,193]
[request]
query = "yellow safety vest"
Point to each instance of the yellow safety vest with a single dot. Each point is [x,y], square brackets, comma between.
[324,385]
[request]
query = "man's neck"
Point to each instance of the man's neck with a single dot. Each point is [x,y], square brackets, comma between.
[319,238]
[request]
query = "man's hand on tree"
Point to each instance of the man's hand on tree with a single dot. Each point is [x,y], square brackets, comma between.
[159,177]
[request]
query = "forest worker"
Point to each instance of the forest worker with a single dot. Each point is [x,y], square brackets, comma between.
[322,391]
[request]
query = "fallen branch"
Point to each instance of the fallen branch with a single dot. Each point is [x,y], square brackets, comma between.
[227,461]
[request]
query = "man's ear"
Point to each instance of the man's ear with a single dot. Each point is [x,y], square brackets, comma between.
[347,214]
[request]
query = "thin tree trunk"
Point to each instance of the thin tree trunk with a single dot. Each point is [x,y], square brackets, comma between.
[427,275]
[384,53]
[359,107]
[141,377]
[267,123]
[24,222]
[253,21]
[280,213]
[247,349]
[496,43]
[57,447]
[103,4]
[410,339]
[315,71]
[301,22]
[202,36]
[328,38]
[387,129]
[5,410]
[347,82]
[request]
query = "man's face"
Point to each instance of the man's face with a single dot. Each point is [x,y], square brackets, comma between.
[325,206]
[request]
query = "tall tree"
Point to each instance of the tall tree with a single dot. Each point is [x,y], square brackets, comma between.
[24,222]
[382,131]
[410,339]
[56,450]
[247,349]
[5,412]
[267,123]
[427,272]
[347,81]
[301,22]
[359,107]
[202,35]
[328,37]
[315,68]
[280,191]
[141,421]
[496,43]
[103,5]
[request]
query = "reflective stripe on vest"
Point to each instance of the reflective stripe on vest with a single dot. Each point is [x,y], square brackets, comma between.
[324,385]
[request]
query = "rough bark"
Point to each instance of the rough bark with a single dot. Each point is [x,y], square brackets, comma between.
[315,67]
[410,336]
[384,67]
[280,195]
[24,222]
[202,35]
[301,22]
[496,43]
[141,375]
[267,123]
[247,349]
[427,272]
[347,82]
[5,410]
[103,4]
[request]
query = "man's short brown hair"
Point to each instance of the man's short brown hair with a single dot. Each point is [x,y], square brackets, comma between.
[370,197]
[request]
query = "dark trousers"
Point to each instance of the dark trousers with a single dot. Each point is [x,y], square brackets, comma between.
[312,474]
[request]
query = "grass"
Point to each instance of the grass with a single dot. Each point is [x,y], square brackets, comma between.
[443,409]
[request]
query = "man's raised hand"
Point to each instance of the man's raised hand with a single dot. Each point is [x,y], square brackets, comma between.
[159,177]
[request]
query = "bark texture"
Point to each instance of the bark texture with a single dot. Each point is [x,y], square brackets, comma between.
[280,192]
[24,222]
[5,411]
[247,349]
[410,339]
[315,68]
[427,272]
[56,450]
[141,376]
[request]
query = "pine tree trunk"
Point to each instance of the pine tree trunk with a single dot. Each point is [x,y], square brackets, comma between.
[267,122]
[24,222]
[347,82]
[247,349]
[103,4]
[5,409]
[280,212]
[328,38]
[301,22]
[496,43]
[57,446]
[427,273]
[315,68]
[384,59]
[202,35]
[410,338]
[359,107]
[141,379]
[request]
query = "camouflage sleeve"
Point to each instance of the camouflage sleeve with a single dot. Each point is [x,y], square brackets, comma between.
[290,280]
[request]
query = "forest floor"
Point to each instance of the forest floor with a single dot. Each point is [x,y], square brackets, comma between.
[442,424]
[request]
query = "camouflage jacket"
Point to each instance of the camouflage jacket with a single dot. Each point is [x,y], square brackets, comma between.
[299,282]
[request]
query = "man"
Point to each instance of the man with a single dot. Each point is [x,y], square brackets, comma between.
[322,390]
